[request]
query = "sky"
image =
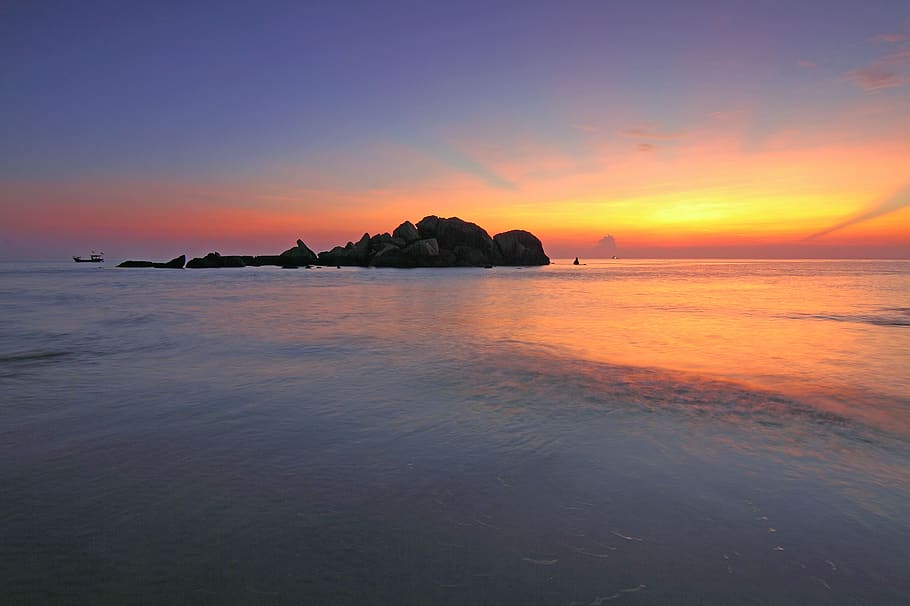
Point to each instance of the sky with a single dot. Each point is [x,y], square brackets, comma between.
[638,128]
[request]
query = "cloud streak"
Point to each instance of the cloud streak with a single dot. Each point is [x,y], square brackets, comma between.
[873,78]
[894,203]
[889,71]
[649,131]
[891,38]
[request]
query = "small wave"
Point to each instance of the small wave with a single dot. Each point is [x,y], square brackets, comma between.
[32,356]
[902,319]
[618,389]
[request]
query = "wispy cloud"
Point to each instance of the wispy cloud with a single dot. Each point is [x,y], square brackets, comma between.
[890,38]
[464,162]
[875,78]
[645,147]
[894,203]
[889,71]
[805,63]
[589,129]
[649,131]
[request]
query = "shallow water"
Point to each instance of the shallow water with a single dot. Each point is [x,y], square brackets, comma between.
[645,432]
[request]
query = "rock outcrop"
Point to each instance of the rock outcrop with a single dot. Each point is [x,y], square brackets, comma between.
[470,243]
[520,247]
[432,242]
[299,255]
[175,263]
[407,231]
[216,260]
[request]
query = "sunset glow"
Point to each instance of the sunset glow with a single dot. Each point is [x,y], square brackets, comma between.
[732,136]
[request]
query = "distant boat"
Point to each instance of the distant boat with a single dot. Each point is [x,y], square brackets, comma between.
[93,258]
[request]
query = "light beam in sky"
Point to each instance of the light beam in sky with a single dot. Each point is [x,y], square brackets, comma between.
[893,203]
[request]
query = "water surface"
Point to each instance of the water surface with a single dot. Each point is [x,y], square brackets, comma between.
[631,432]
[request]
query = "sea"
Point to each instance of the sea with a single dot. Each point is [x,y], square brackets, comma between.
[618,432]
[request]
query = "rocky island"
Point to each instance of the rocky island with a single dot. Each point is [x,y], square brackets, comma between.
[432,242]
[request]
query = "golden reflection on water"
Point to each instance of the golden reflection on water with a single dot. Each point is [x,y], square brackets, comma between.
[749,322]
[833,330]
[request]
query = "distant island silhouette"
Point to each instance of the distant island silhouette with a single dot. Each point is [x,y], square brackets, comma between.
[432,242]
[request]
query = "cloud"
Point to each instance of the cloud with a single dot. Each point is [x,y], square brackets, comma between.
[894,203]
[585,128]
[890,37]
[889,71]
[649,131]
[875,78]
[606,245]
[465,163]
[645,147]
[805,63]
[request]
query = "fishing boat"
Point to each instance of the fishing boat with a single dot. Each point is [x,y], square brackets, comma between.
[93,258]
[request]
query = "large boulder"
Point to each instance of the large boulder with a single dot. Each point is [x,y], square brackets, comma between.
[298,255]
[423,248]
[379,240]
[349,254]
[391,255]
[362,249]
[424,253]
[520,247]
[471,244]
[407,232]
[340,255]
[175,263]
[426,227]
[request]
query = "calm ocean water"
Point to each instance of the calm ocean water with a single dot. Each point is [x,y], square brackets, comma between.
[632,432]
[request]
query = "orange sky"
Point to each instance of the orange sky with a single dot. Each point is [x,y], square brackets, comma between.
[692,193]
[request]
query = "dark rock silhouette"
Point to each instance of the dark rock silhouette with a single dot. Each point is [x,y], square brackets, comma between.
[349,254]
[470,243]
[575,262]
[407,232]
[175,263]
[300,254]
[520,247]
[432,242]
[292,257]
[216,260]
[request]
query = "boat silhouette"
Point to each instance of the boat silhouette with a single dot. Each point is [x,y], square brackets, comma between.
[93,258]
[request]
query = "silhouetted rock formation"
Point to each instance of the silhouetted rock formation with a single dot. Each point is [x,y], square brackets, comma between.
[407,232]
[175,263]
[215,260]
[300,254]
[439,242]
[433,242]
[520,247]
[471,245]
[292,257]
